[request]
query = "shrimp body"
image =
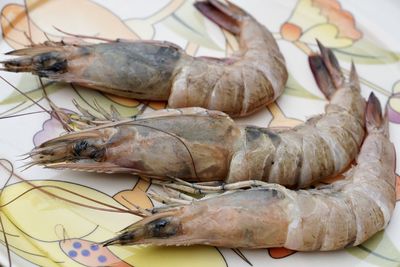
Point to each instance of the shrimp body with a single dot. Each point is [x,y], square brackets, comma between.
[344,213]
[253,77]
[195,144]
[154,70]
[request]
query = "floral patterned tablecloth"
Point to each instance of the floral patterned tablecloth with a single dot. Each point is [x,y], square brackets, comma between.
[44,230]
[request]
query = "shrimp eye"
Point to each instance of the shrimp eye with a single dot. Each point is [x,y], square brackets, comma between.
[83,149]
[161,224]
[79,147]
[162,228]
[97,154]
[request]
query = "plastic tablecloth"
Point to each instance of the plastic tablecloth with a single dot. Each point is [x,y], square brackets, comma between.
[46,230]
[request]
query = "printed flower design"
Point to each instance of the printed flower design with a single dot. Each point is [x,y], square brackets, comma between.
[51,128]
[88,253]
[50,222]
[322,19]
[335,28]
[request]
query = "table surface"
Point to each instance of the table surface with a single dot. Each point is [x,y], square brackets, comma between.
[47,231]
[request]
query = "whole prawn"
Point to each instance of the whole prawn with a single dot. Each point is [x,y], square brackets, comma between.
[344,213]
[154,70]
[195,144]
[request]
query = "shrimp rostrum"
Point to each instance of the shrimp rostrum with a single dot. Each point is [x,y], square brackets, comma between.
[195,144]
[152,70]
[342,214]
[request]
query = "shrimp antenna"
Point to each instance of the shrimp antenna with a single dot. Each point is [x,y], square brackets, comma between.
[26,95]
[47,36]
[29,38]
[80,36]
[63,231]
[165,132]
[65,235]
[242,256]
[22,114]
[29,24]
[178,138]
[109,207]
[55,109]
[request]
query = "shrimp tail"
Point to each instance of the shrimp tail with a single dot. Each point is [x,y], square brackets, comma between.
[47,60]
[321,75]
[353,78]
[373,117]
[326,70]
[332,65]
[226,16]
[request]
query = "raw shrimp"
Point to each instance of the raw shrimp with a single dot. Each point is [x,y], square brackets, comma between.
[195,144]
[153,70]
[342,214]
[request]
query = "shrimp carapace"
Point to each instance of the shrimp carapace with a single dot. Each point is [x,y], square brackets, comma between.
[153,70]
[335,216]
[195,144]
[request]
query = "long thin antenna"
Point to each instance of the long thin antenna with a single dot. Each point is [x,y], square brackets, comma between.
[24,94]
[55,109]
[80,36]
[29,23]
[20,115]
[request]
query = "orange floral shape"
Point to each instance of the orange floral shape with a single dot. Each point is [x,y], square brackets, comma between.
[16,28]
[136,195]
[342,19]
[279,253]
[80,17]
[324,19]
[291,32]
[127,102]
[90,19]
[156,105]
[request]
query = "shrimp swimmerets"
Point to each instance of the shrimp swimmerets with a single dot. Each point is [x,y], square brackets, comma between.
[195,144]
[344,213]
[153,70]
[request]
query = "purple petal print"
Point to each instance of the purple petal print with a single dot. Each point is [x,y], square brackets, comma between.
[394,109]
[393,115]
[51,128]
